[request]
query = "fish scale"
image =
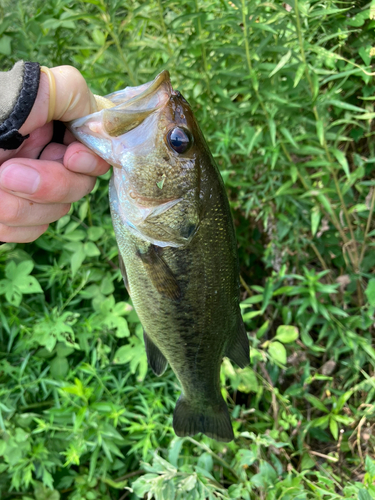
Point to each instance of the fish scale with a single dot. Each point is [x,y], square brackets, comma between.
[177,246]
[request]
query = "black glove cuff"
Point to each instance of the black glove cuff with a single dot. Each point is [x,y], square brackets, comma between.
[10,138]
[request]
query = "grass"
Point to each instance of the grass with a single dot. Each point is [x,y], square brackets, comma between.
[284,95]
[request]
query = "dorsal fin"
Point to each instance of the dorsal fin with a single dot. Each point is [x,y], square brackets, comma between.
[238,347]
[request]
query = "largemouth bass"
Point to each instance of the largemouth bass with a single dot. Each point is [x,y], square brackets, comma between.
[177,245]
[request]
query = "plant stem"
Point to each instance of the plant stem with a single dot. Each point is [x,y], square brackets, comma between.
[76,292]
[246,287]
[368,225]
[121,54]
[203,48]
[164,28]
[354,258]
[214,455]
[318,254]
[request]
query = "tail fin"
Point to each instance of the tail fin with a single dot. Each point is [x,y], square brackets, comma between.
[214,421]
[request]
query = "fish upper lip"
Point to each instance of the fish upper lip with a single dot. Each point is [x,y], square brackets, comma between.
[153,87]
[130,108]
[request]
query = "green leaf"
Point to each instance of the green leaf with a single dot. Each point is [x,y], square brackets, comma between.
[24,268]
[43,493]
[267,295]
[288,136]
[28,284]
[205,462]
[364,52]
[5,285]
[344,105]
[13,295]
[98,36]
[272,128]
[315,219]
[364,495]
[370,292]
[281,63]
[83,209]
[299,73]
[244,380]
[5,45]
[325,202]
[94,233]
[245,457]
[277,352]
[316,402]
[251,315]
[286,334]
[90,249]
[59,367]
[341,158]
[334,428]
[320,131]
[77,258]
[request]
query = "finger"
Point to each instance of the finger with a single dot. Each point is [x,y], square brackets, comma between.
[43,181]
[53,152]
[21,234]
[78,158]
[16,211]
[73,98]
[32,147]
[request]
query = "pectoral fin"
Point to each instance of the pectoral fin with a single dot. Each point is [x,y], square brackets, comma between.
[160,274]
[155,357]
[123,272]
[238,348]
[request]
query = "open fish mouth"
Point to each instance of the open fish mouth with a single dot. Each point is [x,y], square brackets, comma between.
[106,130]
[128,108]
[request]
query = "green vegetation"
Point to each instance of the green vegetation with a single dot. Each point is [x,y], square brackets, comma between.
[284,94]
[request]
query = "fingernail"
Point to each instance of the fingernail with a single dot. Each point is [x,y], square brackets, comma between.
[82,162]
[19,178]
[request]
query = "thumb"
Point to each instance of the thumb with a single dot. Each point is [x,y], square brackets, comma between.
[72,99]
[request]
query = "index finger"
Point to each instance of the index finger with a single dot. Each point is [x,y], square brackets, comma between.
[74,99]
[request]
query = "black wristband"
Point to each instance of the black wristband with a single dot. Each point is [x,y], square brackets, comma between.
[10,138]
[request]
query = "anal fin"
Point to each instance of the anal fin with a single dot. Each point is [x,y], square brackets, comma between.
[155,357]
[238,348]
[160,274]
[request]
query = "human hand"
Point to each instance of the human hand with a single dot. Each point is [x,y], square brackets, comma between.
[36,190]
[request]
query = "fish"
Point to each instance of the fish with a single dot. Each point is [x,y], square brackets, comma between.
[177,244]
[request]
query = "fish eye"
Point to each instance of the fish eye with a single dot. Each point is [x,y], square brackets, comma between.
[179,139]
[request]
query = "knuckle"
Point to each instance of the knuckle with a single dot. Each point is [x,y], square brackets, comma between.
[65,209]
[90,185]
[5,234]
[35,233]
[64,190]
[103,166]
[21,235]
[60,211]
[11,212]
